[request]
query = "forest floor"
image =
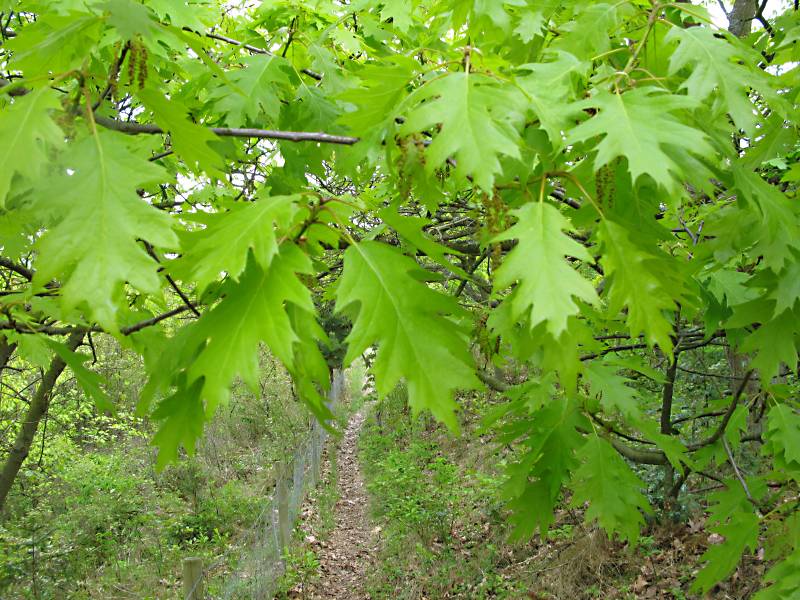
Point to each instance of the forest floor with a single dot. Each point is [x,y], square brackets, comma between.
[349,549]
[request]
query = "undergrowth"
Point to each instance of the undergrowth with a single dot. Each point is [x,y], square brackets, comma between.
[437,499]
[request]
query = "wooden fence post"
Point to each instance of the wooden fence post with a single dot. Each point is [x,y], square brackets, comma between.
[282,494]
[316,452]
[192,578]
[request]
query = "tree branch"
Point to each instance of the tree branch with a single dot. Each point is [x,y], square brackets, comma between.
[726,418]
[18,269]
[255,50]
[272,134]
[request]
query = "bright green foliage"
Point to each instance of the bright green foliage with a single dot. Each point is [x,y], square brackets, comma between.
[252,311]
[714,65]
[558,199]
[613,391]
[548,284]
[28,132]
[90,382]
[255,96]
[95,246]
[636,282]
[191,141]
[549,90]
[477,119]
[225,242]
[395,309]
[183,416]
[640,126]
[783,436]
[610,487]
[535,480]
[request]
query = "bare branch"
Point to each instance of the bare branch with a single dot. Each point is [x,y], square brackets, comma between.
[272,134]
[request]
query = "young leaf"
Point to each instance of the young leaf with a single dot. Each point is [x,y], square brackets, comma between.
[191,141]
[535,480]
[783,439]
[732,517]
[254,310]
[714,63]
[411,323]
[640,126]
[28,132]
[639,280]
[224,244]
[91,383]
[256,97]
[612,490]
[182,419]
[548,285]
[478,120]
[94,246]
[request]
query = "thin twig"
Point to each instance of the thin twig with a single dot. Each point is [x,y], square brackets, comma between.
[255,50]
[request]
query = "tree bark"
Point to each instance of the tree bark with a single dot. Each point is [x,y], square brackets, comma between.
[740,19]
[667,395]
[36,410]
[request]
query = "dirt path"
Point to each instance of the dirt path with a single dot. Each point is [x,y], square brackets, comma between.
[347,554]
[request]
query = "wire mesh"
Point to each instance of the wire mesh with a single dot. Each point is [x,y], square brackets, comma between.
[260,562]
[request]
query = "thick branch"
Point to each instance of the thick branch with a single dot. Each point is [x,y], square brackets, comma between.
[18,269]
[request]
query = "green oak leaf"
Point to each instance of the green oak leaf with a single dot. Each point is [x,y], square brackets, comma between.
[774,228]
[257,91]
[530,25]
[612,490]
[613,390]
[400,12]
[28,133]
[190,140]
[478,119]
[91,383]
[714,63]
[412,324]
[55,43]
[381,87]
[733,517]
[775,343]
[550,92]
[129,18]
[254,310]
[535,480]
[783,438]
[93,245]
[640,125]
[224,243]
[410,228]
[548,285]
[640,279]
[182,418]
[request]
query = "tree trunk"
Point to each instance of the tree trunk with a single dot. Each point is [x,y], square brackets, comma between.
[740,19]
[36,410]
[667,395]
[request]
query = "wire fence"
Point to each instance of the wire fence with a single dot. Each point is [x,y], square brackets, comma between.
[260,562]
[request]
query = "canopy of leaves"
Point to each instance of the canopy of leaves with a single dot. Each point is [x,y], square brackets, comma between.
[569,194]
